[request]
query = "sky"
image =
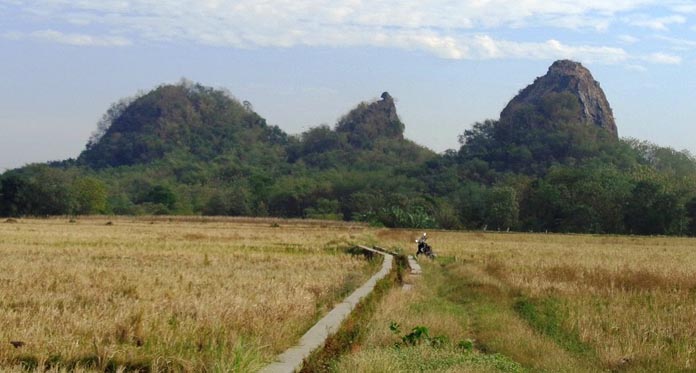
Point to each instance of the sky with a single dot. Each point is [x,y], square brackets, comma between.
[302,63]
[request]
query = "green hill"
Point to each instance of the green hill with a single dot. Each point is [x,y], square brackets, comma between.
[186,118]
[189,149]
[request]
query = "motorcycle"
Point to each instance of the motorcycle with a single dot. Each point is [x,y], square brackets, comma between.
[424,248]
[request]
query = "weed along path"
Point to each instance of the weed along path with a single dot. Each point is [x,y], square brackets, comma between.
[292,359]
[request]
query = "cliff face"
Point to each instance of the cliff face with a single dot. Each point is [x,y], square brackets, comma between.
[567,77]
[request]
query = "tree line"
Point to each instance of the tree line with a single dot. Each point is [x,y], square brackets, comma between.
[188,149]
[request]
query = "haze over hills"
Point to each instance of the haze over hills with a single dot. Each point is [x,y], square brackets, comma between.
[553,161]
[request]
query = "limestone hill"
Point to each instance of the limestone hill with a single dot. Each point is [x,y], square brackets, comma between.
[585,102]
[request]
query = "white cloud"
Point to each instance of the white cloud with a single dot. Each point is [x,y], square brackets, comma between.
[69,39]
[663,58]
[551,49]
[411,14]
[12,35]
[686,8]
[628,39]
[677,43]
[79,39]
[655,23]
[445,28]
[638,68]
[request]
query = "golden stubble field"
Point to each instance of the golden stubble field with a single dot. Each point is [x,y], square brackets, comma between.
[166,294]
[608,302]
[197,294]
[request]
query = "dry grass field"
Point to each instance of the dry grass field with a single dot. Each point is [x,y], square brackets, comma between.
[163,294]
[548,302]
[176,294]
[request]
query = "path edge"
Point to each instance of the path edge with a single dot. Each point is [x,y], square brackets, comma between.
[293,358]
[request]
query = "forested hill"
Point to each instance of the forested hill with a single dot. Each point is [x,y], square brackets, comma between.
[552,161]
[204,124]
[190,149]
[186,118]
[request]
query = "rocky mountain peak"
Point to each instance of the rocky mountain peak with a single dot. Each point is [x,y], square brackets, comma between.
[369,121]
[567,77]
[568,67]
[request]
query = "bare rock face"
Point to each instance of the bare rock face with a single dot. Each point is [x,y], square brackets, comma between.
[563,77]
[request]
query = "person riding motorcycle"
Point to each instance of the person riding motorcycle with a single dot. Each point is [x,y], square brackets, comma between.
[423,247]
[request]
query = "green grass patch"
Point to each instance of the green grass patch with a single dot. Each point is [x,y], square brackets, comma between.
[430,334]
[529,332]
[424,358]
[546,316]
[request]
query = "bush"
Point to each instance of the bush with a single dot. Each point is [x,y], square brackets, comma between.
[416,217]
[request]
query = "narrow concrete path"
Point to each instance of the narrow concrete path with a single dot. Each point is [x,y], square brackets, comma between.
[415,267]
[291,360]
[413,274]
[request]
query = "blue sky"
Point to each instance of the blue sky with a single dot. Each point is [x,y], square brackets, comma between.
[307,62]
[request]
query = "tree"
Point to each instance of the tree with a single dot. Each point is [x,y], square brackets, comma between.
[232,202]
[691,216]
[502,208]
[14,189]
[90,196]
[290,196]
[161,199]
[37,190]
[470,203]
[651,209]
